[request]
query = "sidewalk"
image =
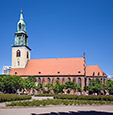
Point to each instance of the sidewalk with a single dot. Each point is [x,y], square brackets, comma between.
[54,110]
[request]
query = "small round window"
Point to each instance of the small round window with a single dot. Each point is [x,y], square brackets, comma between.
[79,71]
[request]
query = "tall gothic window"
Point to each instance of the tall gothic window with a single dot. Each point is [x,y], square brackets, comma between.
[101,80]
[89,82]
[18,53]
[18,63]
[49,80]
[74,80]
[104,80]
[69,79]
[79,82]
[98,74]
[85,81]
[39,80]
[57,78]
[27,55]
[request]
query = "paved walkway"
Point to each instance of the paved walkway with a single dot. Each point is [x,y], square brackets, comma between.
[59,110]
[40,98]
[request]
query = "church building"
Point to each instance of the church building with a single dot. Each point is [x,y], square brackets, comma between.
[50,70]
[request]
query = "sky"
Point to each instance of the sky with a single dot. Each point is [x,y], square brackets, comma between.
[60,29]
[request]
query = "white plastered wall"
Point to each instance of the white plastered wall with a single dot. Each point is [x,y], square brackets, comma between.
[22,59]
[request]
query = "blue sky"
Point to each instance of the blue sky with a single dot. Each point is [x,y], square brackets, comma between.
[61,29]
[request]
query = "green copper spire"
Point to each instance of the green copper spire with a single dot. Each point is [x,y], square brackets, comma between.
[20,35]
[21,27]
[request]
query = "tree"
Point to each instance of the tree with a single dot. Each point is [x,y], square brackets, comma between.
[1,83]
[58,88]
[10,84]
[31,78]
[69,84]
[73,86]
[109,86]
[29,84]
[39,87]
[95,87]
[49,86]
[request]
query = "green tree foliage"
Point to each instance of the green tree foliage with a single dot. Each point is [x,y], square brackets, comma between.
[49,86]
[95,87]
[10,84]
[29,83]
[109,86]
[39,87]
[72,85]
[58,88]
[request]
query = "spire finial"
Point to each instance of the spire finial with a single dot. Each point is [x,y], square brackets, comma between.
[21,11]
[84,55]
[21,15]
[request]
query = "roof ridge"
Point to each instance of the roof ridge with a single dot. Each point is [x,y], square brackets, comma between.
[57,58]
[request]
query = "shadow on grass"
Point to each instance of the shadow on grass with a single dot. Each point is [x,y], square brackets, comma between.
[76,113]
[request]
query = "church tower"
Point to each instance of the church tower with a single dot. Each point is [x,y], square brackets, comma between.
[20,50]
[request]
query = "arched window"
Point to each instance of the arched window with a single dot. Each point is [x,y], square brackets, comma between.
[52,80]
[27,55]
[89,82]
[39,80]
[43,80]
[26,41]
[18,63]
[19,26]
[49,80]
[101,80]
[79,82]
[98,74]
[63,80]
[85,81]
[69,79]
[104,80]
[18,53]
[93,74]
[74,80]
[57,78]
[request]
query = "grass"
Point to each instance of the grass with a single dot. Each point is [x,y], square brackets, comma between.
[46,102]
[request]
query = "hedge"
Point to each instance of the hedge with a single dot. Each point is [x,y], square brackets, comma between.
[58,102]
[82,97]
[13,97]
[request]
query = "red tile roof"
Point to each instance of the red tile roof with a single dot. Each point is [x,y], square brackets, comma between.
[94,69]
[59,66]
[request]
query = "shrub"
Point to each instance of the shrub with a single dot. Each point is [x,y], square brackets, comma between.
[13,97]
[82,97]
